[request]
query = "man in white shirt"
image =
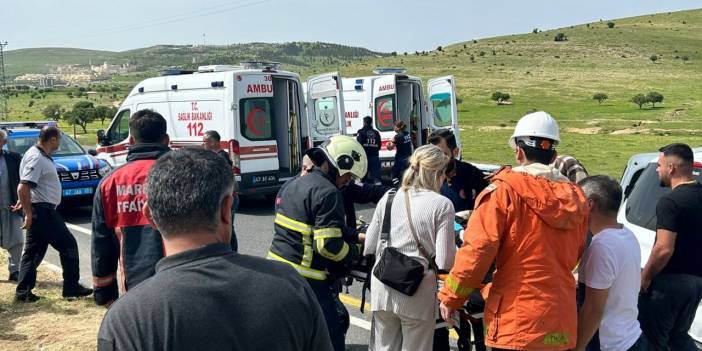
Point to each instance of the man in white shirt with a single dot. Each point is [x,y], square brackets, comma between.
[610,269]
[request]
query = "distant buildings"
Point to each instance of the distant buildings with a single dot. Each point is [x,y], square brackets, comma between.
[75,74]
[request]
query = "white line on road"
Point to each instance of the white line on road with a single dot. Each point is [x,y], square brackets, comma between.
[360,323]
[79,229]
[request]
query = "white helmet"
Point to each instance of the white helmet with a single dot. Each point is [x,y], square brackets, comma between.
[346,155]
[537,124]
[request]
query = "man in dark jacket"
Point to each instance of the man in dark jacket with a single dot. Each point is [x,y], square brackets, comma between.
[11,236]
[464,182]
[121,232]
[204,296]
[212,141]
[370,140]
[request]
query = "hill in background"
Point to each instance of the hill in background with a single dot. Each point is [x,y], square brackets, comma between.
[562,77]
[294,56]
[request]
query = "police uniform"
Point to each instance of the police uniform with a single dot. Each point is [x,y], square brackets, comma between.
[369,138]
[403,147]
[309,231]
[37,170]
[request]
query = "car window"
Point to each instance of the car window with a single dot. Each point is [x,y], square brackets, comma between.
[68,147]
[256,119]
[119,129]
[21,144]
[646,191]
[385,113]
[441,104]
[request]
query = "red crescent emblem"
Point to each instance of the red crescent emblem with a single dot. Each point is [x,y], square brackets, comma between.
[384,114]
[254,121]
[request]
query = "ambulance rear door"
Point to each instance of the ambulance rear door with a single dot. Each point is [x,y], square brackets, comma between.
[325,107]
[443,109]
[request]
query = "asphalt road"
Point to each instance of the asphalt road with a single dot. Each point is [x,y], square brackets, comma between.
[254,229]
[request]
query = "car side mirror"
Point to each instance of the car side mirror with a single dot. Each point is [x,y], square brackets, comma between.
[92,152]
[101,136]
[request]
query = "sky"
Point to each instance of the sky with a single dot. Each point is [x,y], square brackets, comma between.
[386,26]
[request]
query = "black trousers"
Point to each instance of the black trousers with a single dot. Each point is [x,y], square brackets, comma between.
[48,228]
[335,313]
[667,310]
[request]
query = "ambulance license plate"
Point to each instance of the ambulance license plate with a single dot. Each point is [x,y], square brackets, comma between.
[263,179]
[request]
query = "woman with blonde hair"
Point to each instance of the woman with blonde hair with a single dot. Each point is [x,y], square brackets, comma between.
[420,227]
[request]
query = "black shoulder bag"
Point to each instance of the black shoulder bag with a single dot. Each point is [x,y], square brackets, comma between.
[395,269]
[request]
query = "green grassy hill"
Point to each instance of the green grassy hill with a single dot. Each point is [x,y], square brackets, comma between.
[296,55]
[561,78]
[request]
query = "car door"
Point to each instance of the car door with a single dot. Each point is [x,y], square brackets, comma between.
[325,107]
[443,109]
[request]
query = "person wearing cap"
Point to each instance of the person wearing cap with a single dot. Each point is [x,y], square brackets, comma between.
[310,230]
[38,193]
[402,141]
[531,221]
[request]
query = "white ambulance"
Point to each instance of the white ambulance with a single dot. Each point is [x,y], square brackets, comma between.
[388,96]
[258,110]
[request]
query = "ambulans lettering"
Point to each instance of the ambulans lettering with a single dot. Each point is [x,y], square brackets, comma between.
[351,114]
[386,87]
[259,88]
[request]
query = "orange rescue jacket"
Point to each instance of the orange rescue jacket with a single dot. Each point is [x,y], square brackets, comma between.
[533,224]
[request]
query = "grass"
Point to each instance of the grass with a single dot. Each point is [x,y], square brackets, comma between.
[561,78]
[558,77]
[53,323]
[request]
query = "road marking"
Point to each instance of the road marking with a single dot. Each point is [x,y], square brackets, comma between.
[79,229]
[355,302]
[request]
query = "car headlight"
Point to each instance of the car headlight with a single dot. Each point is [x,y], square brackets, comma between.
[104,170]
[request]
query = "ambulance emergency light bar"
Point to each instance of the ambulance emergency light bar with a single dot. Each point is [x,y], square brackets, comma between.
[269,66]
[389,70]
[27,124]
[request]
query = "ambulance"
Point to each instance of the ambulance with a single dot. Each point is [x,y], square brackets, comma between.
[259,111]
[387,96]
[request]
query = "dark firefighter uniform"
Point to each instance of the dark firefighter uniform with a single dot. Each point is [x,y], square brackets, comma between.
[121,232]
[309,236]
[369,138]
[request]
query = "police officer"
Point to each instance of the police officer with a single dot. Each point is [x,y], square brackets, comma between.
[310,229]
[403,143]
[39,193]
[370,140]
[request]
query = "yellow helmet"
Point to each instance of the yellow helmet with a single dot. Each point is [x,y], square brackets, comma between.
[346,155]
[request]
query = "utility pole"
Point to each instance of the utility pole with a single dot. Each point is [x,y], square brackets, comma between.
[3,87]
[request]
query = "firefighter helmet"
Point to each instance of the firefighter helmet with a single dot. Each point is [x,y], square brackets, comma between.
[346,155]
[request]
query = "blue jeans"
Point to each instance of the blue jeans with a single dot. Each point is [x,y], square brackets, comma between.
[667,309]
[335,313]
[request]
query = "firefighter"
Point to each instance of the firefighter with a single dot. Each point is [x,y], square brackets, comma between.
[310,226]
[122,236]
[531,221]
[370,140]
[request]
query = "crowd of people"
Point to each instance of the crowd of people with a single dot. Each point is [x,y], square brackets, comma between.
[533,230]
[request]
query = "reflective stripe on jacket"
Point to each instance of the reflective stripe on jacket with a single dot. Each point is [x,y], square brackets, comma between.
[309,227]
[533,228]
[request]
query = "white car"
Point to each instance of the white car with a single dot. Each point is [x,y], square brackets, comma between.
[638,211]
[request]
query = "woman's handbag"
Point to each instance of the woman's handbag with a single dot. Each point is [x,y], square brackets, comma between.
[395,269]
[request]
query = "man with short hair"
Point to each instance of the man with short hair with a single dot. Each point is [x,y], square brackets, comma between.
[204,296]
[464,182]
[211,141]
[38,195]
[671,281]
[531,222]
[11,236]
[122,237]
[610,270]
[370,140]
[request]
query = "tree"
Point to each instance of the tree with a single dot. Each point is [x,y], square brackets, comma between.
[560,37]
[653,58]
[104,112]
[639,99]
[53,111]
[83,113]
[500,97]
[439,48]
[685,58]
[69,94]
[31,103]
[654,97]
[536,30]
[610,24]
[600,97]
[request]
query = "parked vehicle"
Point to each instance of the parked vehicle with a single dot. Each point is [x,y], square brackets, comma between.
[638,211]
[79,172]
